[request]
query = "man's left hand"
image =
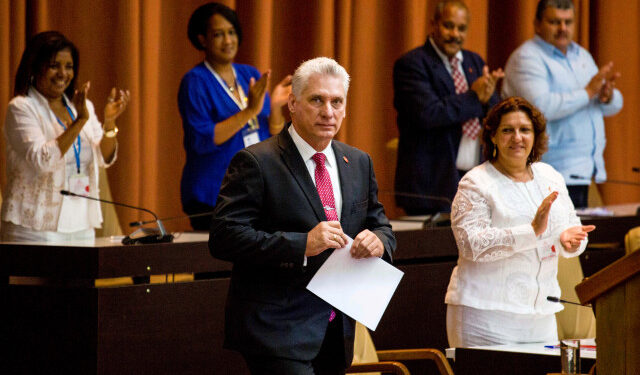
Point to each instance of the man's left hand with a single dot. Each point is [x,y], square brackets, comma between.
[485,85]
[366,244]
[606,92]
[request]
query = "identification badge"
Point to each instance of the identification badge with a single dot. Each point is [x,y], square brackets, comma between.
[250,137]
[545,253]
[79,184]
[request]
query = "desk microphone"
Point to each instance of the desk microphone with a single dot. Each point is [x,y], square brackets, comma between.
[620,182]
[558,300]
[140,236]
[419,196]
[440,219]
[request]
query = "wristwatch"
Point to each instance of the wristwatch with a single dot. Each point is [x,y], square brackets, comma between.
[111,133]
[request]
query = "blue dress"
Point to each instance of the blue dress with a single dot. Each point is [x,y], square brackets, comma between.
[203,103]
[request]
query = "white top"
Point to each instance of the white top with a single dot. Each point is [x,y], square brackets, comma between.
[75,214]
[36,169]
[502,265]
[469,148]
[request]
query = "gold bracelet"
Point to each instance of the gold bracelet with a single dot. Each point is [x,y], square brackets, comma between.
[111,133]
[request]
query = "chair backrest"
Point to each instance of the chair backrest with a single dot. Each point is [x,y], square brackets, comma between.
[574,322]
[364,351]
[110,221]
[632,240]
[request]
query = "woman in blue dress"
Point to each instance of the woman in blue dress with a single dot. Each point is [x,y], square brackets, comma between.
[224,107]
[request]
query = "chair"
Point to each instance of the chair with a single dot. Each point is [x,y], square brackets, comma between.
[632,240]
[367,359]
[110,222]
[574,322]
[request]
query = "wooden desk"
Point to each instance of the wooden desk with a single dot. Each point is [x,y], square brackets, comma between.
[72,327]
[526,359]
[172,328]
[416,315]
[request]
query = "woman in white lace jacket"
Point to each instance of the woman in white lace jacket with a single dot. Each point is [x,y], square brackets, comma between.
[54,142]
[511,217]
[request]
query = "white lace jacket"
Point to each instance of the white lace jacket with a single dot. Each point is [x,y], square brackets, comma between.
[502,265]
[35,166]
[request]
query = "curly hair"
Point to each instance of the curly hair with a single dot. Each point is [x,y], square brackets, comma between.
[515,104]
[199,21]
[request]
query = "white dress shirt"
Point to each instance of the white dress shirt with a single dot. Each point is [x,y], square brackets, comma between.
[307,152]
[469,149]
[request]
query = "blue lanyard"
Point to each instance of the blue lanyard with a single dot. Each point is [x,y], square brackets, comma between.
[78,148]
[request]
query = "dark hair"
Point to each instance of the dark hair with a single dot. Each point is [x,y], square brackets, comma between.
[558,4]
[199,22]
[515,104]
[439,9]
[40,51]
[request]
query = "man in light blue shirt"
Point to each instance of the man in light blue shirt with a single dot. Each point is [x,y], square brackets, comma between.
[562,80]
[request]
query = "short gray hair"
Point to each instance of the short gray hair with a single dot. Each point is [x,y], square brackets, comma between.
[319,65]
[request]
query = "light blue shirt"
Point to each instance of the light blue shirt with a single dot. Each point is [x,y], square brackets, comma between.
[555,82]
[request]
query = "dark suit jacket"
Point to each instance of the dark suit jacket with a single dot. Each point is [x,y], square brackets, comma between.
[267,204]
[430,118]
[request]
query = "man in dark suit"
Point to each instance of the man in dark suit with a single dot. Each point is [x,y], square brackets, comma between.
[441,94]
[281,211]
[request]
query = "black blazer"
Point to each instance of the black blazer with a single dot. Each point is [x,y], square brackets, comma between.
[430,118]
[265,208]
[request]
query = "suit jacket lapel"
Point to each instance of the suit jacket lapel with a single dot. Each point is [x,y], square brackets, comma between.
[469,71]
[345,172]
[294,162]
[438,68]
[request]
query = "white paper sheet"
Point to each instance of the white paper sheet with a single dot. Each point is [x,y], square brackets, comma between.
[360,288]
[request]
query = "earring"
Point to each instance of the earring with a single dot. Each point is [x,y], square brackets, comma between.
[494,150]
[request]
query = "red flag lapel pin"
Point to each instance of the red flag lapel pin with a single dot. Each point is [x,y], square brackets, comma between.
[345,159]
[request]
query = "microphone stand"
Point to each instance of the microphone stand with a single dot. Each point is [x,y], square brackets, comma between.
[139,223]
[559,300]
[141,235]
[616,182]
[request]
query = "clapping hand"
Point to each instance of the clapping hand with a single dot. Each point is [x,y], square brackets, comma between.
[116,104]
[80,101]
[572,237]
[257,92]
[603,83]
[280,93]
[606,92]
[541,219]
[485,86]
